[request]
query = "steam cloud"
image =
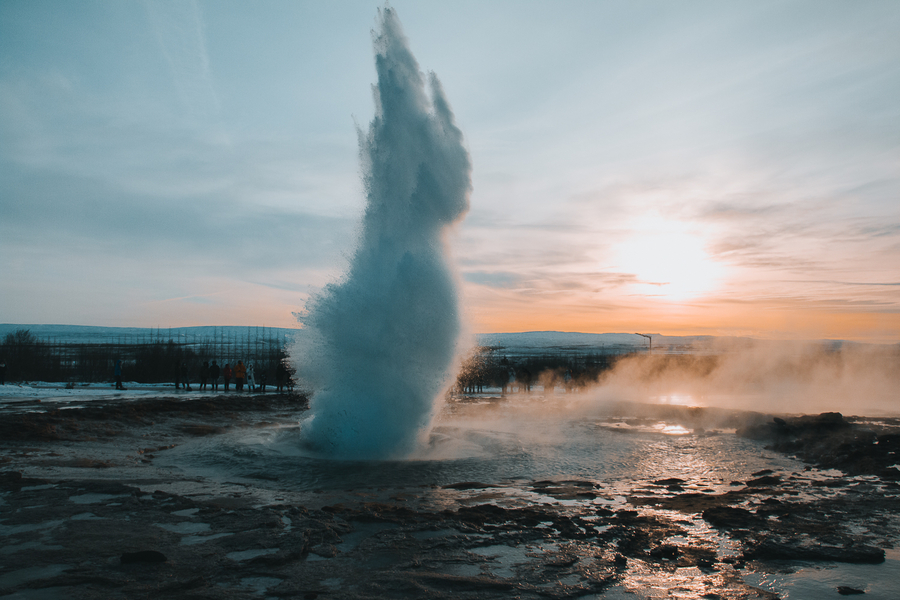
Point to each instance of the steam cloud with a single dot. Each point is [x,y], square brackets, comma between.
[378,347]
[769,376]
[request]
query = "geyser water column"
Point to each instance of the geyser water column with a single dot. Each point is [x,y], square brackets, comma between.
[377,348]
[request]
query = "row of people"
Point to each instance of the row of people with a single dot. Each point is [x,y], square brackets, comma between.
[241,374]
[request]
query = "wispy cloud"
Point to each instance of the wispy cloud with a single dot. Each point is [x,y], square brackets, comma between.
[179,30]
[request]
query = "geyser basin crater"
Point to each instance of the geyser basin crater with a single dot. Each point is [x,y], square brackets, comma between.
[378,347]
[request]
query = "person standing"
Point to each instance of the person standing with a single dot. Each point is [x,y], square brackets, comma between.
[204,374]
[226,375]
[280,375]
[214,375]
[240,374]
[251,378]
[118,373]
[186,382]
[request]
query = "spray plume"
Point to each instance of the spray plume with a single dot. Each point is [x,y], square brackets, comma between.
[378,347]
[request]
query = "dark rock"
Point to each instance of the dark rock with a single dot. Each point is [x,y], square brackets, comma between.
[831,441]
[670,481]
[467,485]
[766,481]
[566,490]
[890,474]
[729,517]
[860,554]
[829,419]
[460,583]
[200,430]
[844,590]
[143,556]
[666,551]
[830,483]
[13,481]
[794,427]
[324,550]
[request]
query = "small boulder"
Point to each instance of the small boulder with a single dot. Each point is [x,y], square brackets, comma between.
[844,590]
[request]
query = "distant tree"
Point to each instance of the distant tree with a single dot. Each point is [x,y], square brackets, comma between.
[27,358]
[20,337]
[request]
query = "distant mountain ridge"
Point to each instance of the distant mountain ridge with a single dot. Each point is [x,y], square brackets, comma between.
[529,341]
[518,343]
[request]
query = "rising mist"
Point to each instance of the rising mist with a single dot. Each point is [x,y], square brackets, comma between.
[769,376]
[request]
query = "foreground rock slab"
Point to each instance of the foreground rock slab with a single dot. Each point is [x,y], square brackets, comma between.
[85,513]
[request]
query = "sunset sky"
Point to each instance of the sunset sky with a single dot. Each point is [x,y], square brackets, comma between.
[725,168]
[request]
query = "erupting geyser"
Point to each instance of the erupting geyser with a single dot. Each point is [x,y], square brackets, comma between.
[378,347]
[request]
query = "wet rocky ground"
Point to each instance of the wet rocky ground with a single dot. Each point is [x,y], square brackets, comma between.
[85,513]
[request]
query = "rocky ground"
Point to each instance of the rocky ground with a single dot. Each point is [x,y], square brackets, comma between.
[84,513]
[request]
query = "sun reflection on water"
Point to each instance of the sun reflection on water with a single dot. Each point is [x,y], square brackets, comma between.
[673,429]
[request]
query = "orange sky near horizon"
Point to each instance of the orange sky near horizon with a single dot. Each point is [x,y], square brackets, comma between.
[498,313]
[762,323]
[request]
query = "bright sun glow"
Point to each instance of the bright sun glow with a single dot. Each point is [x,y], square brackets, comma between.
[667,259]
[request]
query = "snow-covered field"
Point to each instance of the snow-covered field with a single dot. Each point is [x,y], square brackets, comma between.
[58,392]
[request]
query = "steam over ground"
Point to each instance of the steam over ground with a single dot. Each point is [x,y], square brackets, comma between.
[769,376]
[744,374]
[377,348]
[662,390]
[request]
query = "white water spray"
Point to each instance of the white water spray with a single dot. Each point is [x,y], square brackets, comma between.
[378,347]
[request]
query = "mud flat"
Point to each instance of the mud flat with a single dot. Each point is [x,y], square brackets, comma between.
[86,511]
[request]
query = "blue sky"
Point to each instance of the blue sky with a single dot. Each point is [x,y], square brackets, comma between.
[696,167]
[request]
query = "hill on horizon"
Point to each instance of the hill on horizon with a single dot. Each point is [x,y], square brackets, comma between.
[512,342]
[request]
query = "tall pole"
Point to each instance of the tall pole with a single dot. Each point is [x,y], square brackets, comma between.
[650,349]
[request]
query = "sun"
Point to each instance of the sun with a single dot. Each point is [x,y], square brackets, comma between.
[667,259]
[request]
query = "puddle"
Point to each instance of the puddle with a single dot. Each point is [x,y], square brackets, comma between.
[431,534]
[187,512]
[878,582]
[643,582]
[94,498]
[349,541]
[184,528]
[260,584]
[505,557]
[248,554]
[193,540]
[86,516]
[463,569]
[14,529]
